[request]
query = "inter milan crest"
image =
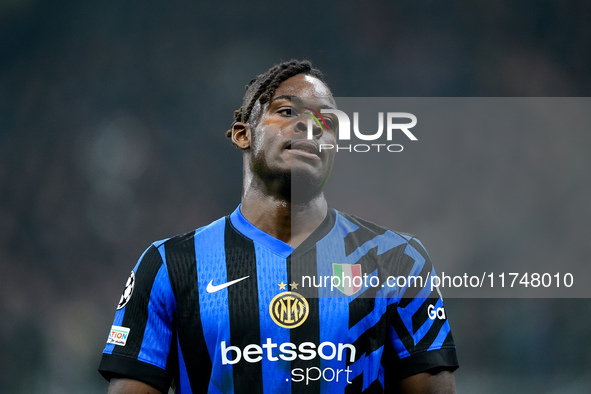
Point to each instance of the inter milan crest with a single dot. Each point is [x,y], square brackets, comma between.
[289,309]
[347,278]
[127,292]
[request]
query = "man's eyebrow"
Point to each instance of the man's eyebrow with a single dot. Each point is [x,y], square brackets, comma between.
[299,100]
[288,97]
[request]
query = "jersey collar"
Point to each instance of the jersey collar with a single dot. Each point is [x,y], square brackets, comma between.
[281,248]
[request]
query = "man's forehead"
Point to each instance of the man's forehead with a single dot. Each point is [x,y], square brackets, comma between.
[304,89]
[302,85]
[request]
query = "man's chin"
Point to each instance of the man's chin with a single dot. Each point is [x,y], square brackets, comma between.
[305,186]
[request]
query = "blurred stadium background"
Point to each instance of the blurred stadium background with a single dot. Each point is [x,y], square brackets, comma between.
[112,121]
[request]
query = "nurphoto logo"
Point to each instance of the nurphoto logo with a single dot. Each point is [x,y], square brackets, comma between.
[394,123]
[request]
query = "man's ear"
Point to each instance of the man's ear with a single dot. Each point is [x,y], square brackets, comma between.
[241,135]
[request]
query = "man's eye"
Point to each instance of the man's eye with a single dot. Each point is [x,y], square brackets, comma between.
[330,123]
[288,111]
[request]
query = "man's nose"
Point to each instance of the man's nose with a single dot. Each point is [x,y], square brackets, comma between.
[304,124]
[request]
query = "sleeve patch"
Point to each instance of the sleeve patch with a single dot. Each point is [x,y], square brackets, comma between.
[125,297]
[118,335]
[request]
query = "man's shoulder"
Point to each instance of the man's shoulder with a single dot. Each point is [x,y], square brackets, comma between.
[205,233]
[368,228]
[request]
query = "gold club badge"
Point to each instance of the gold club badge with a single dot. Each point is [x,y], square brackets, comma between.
[289,309]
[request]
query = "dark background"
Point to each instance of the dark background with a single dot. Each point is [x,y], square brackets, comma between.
[112,122]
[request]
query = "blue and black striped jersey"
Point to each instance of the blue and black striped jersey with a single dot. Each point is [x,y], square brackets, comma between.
[228,308]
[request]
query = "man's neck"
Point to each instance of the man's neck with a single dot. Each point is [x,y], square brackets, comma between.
[283,220]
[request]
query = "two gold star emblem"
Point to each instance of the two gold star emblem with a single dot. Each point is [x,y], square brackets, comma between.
[292,286]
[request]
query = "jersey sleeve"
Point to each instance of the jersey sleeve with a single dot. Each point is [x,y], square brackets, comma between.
[420,338]
[141,339]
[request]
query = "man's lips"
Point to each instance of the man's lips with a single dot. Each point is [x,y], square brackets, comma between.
[305,148]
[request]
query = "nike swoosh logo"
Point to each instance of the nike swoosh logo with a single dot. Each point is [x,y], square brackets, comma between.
[212,289]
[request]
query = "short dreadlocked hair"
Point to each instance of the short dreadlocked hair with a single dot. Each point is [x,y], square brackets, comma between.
[263,87]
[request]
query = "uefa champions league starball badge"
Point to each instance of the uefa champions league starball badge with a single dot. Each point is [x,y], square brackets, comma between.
[127,292]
